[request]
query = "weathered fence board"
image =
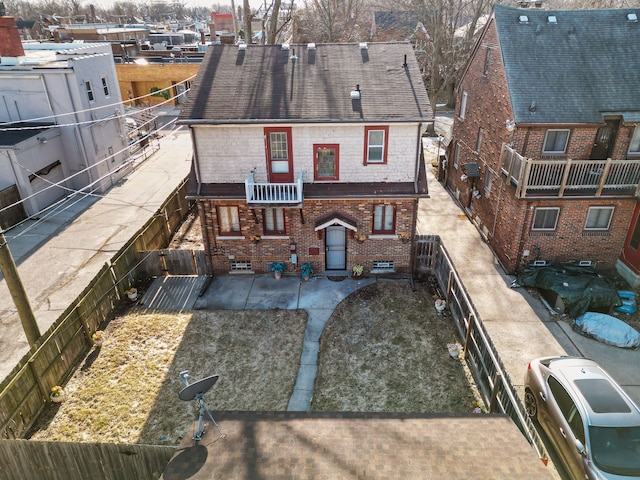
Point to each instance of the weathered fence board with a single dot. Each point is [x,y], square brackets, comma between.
[426,250]
[38,460]
[25,391]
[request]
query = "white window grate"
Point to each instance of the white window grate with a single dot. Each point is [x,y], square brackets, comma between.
[384,265]
[241,267]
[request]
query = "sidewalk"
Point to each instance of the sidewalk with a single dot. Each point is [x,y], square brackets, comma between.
[519,325]
[58,255]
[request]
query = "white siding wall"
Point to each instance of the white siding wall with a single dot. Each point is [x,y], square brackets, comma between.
[227,154]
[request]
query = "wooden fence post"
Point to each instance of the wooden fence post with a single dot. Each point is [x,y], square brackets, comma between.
[44,389]
[467,337]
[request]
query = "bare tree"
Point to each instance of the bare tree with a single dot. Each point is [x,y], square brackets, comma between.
[334,20]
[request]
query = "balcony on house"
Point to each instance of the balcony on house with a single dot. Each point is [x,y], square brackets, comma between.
[569,178]
[276,194]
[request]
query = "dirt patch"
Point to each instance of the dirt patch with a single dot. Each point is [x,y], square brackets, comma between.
[189,234]
[385,349]
[127,391]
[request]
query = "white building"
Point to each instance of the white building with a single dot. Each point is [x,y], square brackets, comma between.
[61,124]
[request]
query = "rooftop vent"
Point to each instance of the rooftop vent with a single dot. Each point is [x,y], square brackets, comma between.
[363,45]
[285,46]
[242,46]
[552,19]
[311,46]
[523,19]
[355,94]
[632,17]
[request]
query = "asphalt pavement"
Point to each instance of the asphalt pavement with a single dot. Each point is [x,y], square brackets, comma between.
[60,251]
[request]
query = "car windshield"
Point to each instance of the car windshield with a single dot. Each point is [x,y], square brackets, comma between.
[616,450]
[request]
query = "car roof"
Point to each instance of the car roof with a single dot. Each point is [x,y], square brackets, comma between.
[605,401]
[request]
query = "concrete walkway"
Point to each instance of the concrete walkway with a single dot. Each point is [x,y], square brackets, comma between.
[318,297]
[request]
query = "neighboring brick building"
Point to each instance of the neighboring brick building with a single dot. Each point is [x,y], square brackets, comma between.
[545,154]
[308,147]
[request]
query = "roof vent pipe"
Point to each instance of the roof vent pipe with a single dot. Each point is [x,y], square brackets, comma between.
[405,61]
[355,94]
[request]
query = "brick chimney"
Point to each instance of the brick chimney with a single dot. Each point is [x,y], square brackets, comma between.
[10,42]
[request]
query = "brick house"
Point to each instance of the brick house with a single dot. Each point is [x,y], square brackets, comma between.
[308,153]
[545,154]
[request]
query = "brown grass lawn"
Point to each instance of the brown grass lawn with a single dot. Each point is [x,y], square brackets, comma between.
[384,349]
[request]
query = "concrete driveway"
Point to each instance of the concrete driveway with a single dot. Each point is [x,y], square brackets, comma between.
[520,326]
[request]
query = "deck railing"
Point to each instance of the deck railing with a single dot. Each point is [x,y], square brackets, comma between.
[273,193]
[568,177]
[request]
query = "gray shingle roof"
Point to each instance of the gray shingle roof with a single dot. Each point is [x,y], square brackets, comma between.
[575,70]
[264,84]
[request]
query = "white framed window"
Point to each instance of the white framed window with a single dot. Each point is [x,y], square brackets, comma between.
[555,141]
[228,220]
[479,140]
[456,155]
[463,105]
[487,62]
[545,218]
[634,144]
[599,218]
[488,181]
[89,88]
[376,144]
[274,221]
[105,86]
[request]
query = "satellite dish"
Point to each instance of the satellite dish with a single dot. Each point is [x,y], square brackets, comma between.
[195,391]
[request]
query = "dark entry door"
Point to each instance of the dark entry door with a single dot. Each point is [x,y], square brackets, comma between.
[605,140]
[335,247]
[631,250]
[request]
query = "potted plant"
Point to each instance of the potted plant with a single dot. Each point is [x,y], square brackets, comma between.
[356,271]
[57,394]
[306,271]
[277,268]
[98,338]
[360,238]
[454,350]
[255,238]
[404,237]
[440,305]
[132,293]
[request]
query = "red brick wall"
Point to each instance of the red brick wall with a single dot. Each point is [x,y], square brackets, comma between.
[503,219]
[305,237]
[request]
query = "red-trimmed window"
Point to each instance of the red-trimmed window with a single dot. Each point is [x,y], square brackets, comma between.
[384,219]
[376,140]
[274,223]
[326,162]
[228,220]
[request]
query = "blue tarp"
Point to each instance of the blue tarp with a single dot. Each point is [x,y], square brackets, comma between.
[607,329]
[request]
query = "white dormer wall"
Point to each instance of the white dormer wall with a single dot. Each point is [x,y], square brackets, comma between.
[227,154]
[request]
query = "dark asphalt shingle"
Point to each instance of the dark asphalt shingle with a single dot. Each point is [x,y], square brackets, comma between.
[575,70]
[264,84]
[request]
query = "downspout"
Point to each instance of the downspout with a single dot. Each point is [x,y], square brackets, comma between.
[414,220]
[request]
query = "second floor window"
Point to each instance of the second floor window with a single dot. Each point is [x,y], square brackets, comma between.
[599,218]
[326,162]
[228,220]
[634,144]
[479,140]
[274,221]
[105,86]
[463,105]
[376,139]
[545,218]
[384,219]
[555,141]
[89,88]
[456,155]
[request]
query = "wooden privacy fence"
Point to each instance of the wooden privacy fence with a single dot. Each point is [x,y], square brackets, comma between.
[37,460]
[173,262]
[25,391]
[480,354]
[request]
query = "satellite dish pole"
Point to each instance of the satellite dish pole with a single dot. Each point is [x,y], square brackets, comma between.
[195,391]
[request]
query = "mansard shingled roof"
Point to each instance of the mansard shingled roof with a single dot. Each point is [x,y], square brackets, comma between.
[574,70]
[266,83]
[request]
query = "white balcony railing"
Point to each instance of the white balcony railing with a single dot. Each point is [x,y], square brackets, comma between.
[557,178]
[273,193]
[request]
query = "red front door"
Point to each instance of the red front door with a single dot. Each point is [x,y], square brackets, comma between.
[279,154]
[631,250]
